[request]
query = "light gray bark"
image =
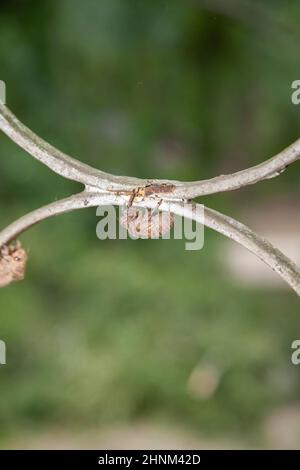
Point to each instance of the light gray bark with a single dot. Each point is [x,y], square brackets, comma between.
[103,188]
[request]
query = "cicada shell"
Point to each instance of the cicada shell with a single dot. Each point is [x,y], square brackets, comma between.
[13,260]
[146,223]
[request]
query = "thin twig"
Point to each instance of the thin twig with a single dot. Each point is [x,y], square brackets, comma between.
[105,189]
[93,178]
[59,162]
[215,220]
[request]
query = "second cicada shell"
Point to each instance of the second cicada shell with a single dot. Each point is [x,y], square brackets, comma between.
[146,223]
[13,260]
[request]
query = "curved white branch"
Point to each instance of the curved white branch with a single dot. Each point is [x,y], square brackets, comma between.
[58,161]
[12,231]
[212,219]
[266,170]
[259,246]
[73,169]
[103,188]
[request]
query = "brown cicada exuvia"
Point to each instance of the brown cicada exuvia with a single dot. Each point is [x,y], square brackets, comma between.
[13,260]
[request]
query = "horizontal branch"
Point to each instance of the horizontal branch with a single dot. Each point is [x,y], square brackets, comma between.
[73,169]
[221,223]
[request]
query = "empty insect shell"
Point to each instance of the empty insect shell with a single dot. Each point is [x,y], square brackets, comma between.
[13,260]
[146,223]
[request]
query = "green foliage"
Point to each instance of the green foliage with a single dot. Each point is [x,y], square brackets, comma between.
[111,331]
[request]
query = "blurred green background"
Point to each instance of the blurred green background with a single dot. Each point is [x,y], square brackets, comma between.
[143,334]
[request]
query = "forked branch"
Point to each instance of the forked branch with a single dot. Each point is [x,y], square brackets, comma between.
[105,189]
